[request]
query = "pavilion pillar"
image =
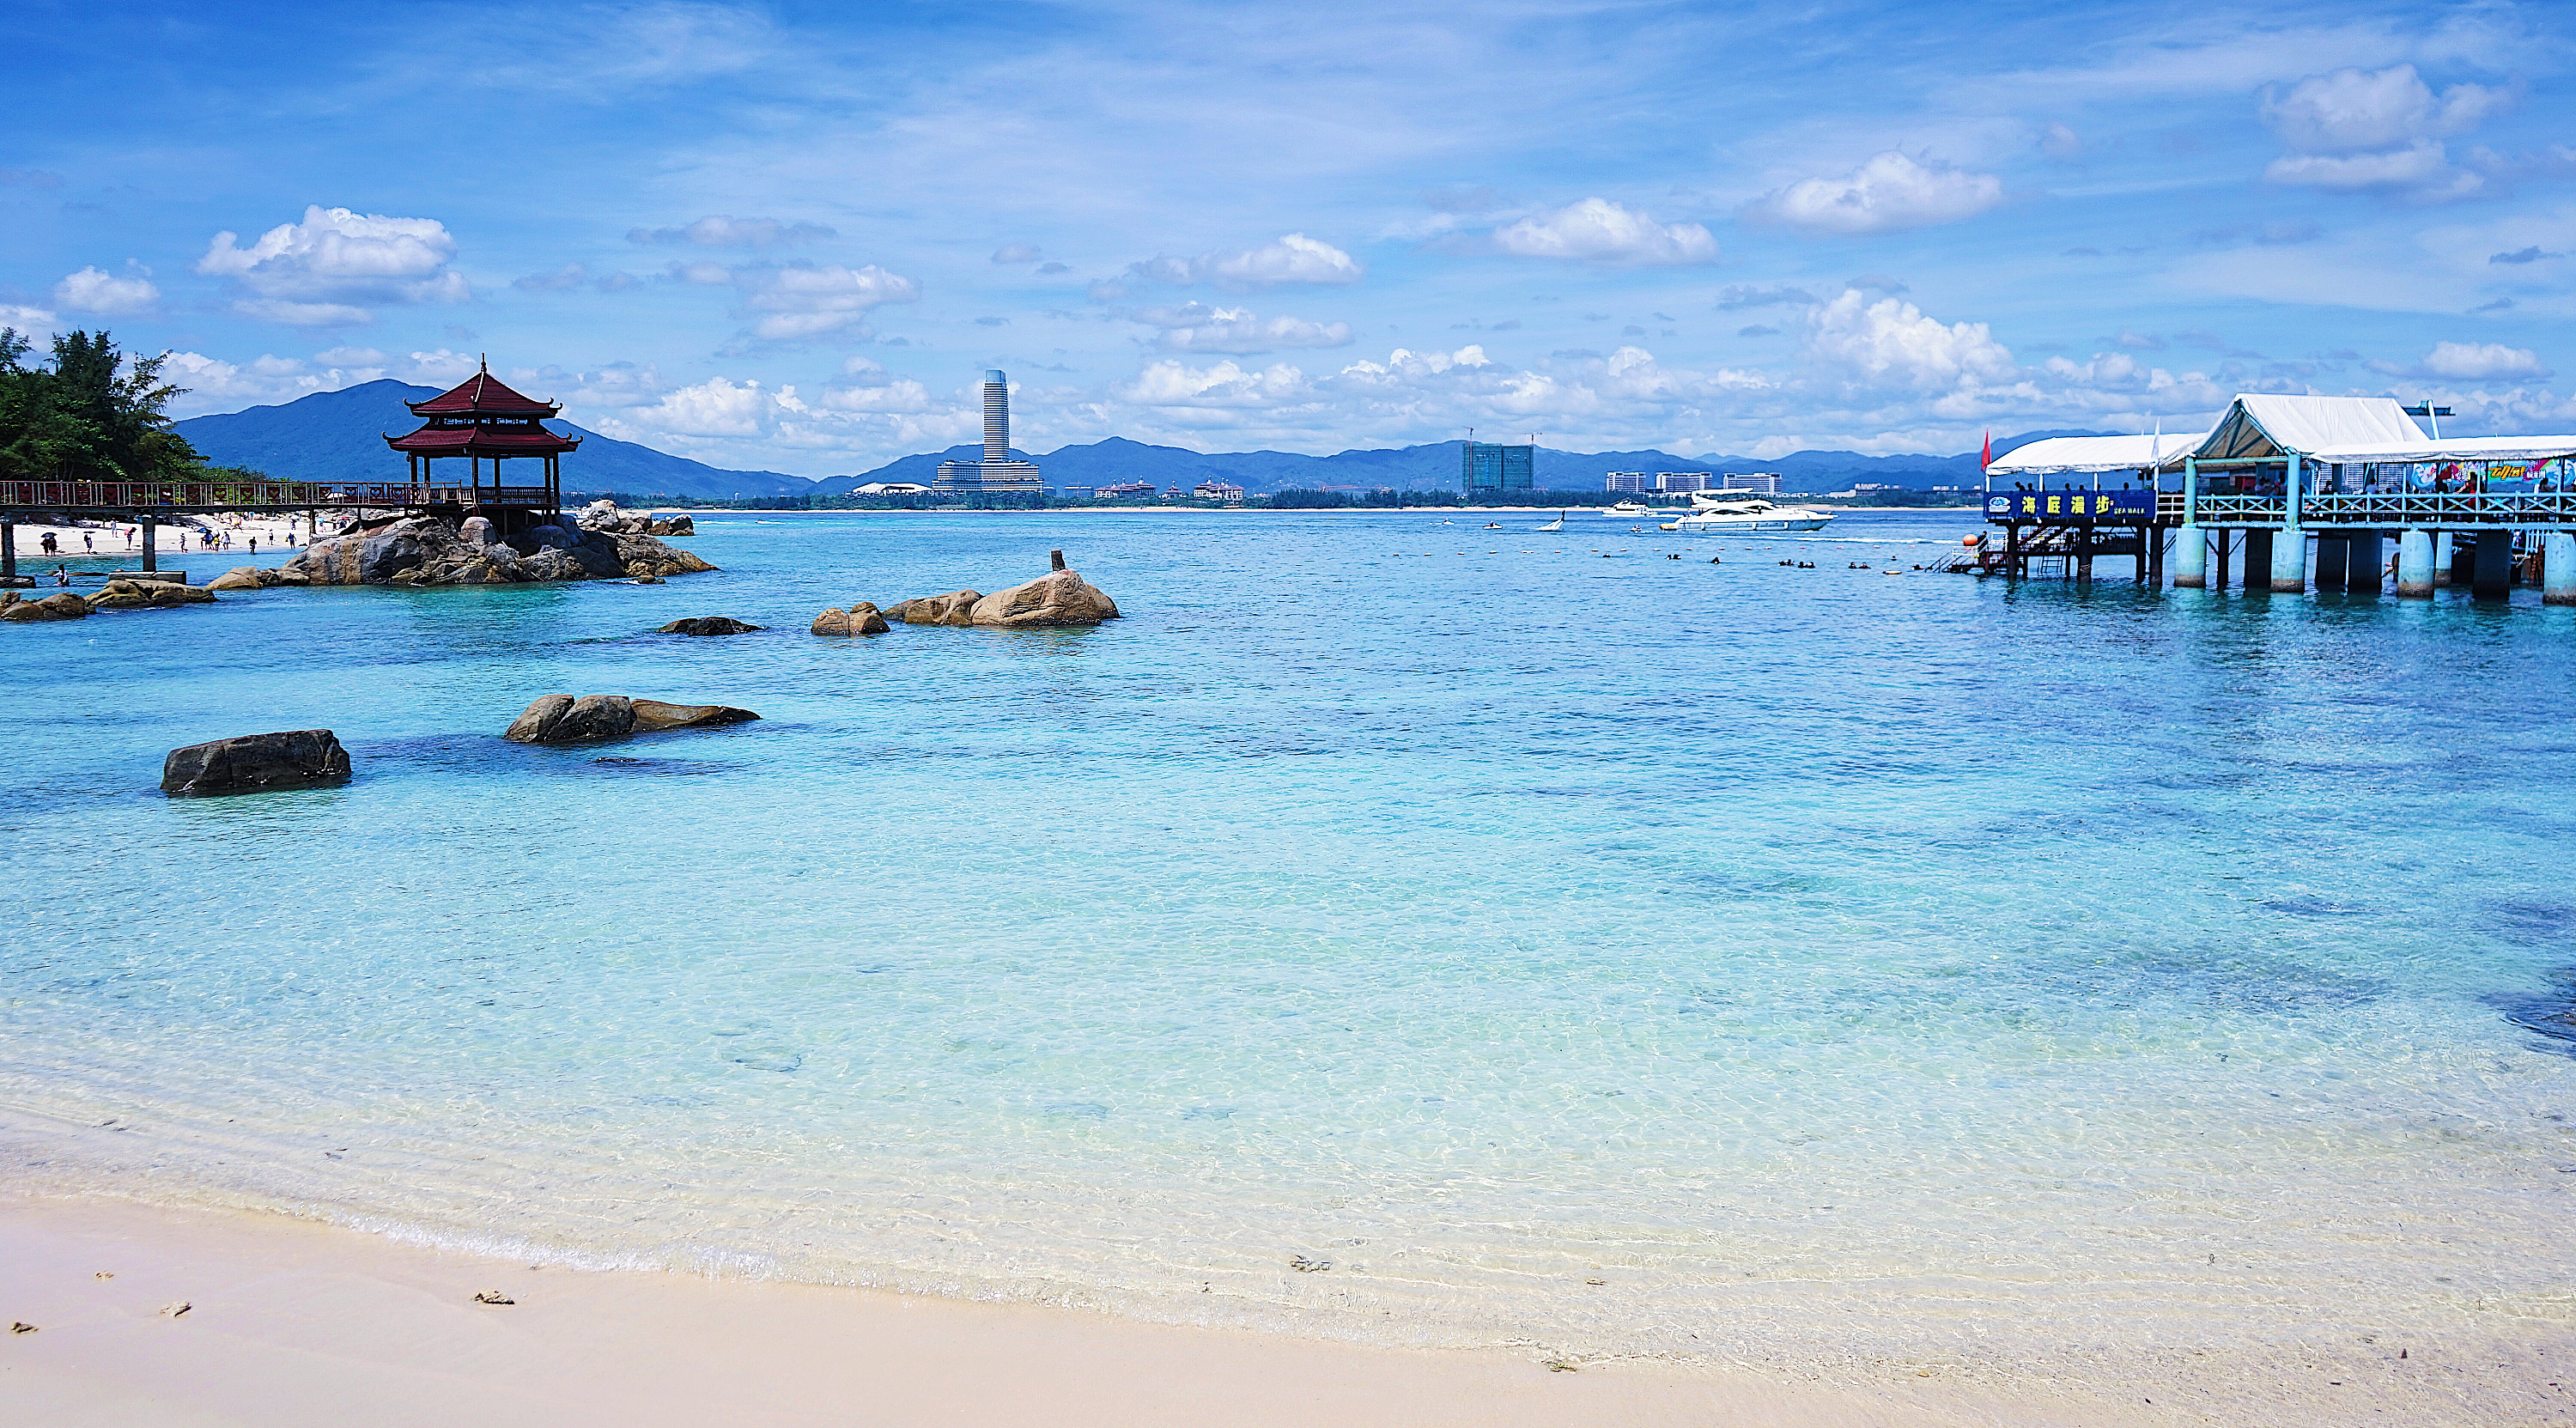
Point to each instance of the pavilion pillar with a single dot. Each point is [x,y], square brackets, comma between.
[2191,548]
[2493,575]
[2558,569]
[2290,543]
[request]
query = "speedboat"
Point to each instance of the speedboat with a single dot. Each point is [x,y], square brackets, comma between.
[1747,513]
[1555,525]
[1627,508]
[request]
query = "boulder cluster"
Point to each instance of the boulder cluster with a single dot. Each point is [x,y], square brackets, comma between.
[426,550]
[118,594]
[563,719]
[1059,597]
[605,516]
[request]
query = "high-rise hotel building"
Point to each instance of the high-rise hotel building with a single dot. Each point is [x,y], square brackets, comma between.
[997,471]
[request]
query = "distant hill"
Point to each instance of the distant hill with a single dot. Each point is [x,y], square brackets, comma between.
[339,436]
[1117,459]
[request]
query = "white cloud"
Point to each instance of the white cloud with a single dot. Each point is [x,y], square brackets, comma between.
[718,230]
[717,406]
[2376,130]
[563,279]
[329,268]
[33,322]
[2483,361]
[1891,341]
[91,290]
[1197,327]
[1295,258]
[1176,384]
[1017,253]
[1890,191]
[801,302]
[2352,110]
[1602,231]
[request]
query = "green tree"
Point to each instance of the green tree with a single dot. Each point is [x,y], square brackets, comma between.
[91,414]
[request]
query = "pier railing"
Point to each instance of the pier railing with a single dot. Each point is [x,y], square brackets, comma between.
[234,495]
[2442,510]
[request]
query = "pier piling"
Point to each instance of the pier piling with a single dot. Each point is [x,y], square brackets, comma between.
[2493,574]
[2558,569]
[2415,565]
[2255,553]
[2364,567]
[2334,557]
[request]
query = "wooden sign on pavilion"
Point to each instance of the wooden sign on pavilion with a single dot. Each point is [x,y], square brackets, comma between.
[481,419]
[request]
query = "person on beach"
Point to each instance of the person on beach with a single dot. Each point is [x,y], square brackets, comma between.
[254,545]
[47,541]
[87,544]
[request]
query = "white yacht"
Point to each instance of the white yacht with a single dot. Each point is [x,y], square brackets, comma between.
[1724,512]
[1628,508]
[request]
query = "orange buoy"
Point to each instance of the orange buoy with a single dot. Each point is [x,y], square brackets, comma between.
[1973,538]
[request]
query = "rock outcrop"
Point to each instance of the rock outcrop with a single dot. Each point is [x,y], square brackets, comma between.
[707,625]
[149,595]
[957,609]
[863,618]
[425,550]
[562,719]
[301,759]
[1059,597]
[17,609]
[605,516]
[251,577]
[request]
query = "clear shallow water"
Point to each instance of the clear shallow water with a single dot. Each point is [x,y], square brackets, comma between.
[1835,965]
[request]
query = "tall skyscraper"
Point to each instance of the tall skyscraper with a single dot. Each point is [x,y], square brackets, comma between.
[997,471]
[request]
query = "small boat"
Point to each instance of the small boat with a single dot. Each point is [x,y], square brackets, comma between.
[1627,508]
[1555,525]
[1493,525]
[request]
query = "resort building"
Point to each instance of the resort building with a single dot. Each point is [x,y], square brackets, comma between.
[1125,490]
[1627,481]
[1218,491]
[1766,483]
[1484,466]
[1684,481]
[997,471]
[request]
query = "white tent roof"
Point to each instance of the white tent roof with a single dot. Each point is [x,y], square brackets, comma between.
[2458,448]
[2353,429]
[2091,453]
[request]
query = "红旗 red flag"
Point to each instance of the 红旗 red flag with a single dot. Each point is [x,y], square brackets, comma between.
[1986,458]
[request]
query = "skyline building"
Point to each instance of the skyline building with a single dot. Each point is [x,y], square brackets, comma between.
[998,471]
[1484,466]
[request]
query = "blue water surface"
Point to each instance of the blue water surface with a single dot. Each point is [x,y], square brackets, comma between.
[1818,957]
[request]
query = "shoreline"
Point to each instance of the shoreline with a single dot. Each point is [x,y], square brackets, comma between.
[295,1322]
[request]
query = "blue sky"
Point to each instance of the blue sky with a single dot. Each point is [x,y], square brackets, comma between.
[792,236]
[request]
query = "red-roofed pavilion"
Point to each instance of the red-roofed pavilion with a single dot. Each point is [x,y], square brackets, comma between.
[481,419]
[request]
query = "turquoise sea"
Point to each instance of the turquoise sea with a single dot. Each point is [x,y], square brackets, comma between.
[1839,966]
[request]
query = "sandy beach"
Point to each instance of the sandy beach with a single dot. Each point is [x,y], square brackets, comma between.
[173,540]
[292,1323]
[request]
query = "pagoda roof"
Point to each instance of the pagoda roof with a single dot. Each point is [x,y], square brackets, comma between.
[531,440]
[482,395]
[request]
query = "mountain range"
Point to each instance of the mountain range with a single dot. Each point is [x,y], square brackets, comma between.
[338,436]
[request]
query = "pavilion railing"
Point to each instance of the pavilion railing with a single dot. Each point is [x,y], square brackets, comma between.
[2448,509]
[136,495]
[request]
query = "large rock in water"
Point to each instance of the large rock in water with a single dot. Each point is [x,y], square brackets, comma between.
[708,625]
[301,759]
[1060,597]
[20,610]
[562,719]
[149,595]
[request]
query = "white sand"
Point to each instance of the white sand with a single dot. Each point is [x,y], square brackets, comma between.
[294,1323]
[171,542]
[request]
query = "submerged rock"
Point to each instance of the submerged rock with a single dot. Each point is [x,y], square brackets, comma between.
[707,625]
[303,758]
[864,618]
[562,719]
[18,609]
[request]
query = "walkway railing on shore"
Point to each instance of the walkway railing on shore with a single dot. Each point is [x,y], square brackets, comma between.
[219,495]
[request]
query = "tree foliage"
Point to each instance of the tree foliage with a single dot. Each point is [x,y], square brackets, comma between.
[88,414]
